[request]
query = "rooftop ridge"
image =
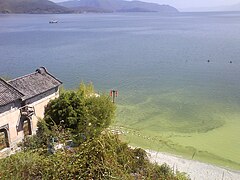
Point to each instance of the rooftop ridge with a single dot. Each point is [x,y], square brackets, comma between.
[27,86]
[46,71]
[8,93]
[35,83]
[21,77]
[9,85]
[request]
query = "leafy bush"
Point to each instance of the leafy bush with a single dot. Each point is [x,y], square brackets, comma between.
[83,112]
[104,157]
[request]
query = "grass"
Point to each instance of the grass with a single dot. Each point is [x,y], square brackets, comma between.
[182,122]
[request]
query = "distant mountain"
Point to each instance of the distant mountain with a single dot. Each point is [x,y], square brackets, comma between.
[116,6]
[31,6]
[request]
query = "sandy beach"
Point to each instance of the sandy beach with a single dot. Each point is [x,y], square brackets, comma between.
[196,170]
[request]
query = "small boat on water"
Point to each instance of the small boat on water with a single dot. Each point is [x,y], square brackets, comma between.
[53,21]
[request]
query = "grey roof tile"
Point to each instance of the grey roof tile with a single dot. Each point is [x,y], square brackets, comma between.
[8,93]
[36,83]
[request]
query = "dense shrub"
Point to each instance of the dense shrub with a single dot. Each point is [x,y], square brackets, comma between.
[105,157]
[83,112]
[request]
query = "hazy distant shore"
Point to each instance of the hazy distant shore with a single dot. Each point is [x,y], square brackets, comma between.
[195,169]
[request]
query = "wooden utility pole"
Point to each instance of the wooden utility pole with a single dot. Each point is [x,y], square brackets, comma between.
[113,94]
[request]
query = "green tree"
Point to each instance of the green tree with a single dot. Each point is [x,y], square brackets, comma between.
[83,112]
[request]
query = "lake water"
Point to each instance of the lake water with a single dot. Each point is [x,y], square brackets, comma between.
[158,63]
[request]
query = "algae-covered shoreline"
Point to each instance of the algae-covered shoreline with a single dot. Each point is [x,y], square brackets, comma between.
[162,144]
[156,123]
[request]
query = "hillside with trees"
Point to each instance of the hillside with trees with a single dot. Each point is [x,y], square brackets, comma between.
[117,6]
[76,6]
[73,142]
[31,7]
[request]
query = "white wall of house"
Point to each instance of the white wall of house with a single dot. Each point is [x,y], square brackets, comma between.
[40,105]
[11,118]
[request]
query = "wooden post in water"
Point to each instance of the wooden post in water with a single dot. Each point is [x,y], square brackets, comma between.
[113,94]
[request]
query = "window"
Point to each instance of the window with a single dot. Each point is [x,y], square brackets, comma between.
[3,139]
[26,127]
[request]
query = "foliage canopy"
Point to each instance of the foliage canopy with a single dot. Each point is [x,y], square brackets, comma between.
[83,112]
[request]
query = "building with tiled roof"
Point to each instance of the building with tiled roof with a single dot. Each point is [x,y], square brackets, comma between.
[22,103]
